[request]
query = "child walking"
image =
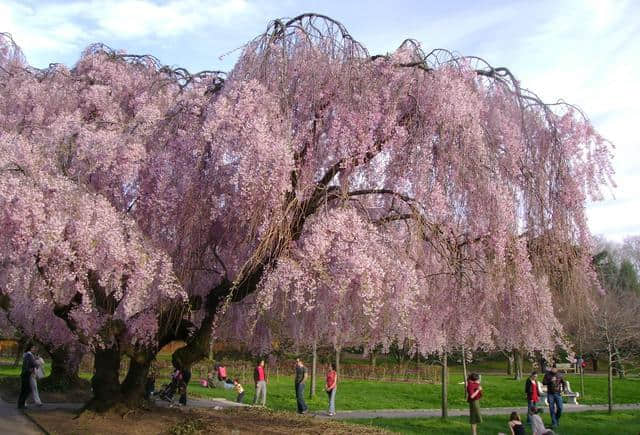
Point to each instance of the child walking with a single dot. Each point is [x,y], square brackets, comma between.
[238,387]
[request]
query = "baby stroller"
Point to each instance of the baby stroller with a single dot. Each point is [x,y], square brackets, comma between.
[168,390]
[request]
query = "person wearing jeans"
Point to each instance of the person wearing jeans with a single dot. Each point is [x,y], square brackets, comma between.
[332,384]
[554,383]
[301,377]
[260,378]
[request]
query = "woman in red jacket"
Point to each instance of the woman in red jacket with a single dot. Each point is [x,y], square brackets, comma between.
[474,393]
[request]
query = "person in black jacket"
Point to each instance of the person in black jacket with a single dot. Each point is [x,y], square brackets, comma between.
[532,392]
[555,385]
[28,367]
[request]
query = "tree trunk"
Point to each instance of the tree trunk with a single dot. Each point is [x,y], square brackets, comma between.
[134,383]
[509,364]
[199,344]
[445,376]
[594,362]
[105,382]
[582,381]
[65,364]
[518,359]
[314,372]
[618,363]
[464,367]
[338,360]
[610,383]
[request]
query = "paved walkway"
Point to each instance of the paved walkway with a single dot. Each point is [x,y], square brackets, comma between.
[13,421]
[426,413]
[202,403]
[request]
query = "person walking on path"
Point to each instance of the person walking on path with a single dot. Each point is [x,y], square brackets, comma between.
[555,384]
[28,368]
[474,394]
[38,373]
[260,378]
[533,395]
[301,377]
[332,385]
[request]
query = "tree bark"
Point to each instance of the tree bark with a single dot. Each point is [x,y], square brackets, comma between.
[314,372]
[464,367]
[134,383]
[517,375]
[338,360]
[582,382]
[509,364]
[105,382]
[610,383]
[445,376]
[65,365]
[594,362]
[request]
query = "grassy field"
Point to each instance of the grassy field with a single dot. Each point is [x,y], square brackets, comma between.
[498,391]
[570,424]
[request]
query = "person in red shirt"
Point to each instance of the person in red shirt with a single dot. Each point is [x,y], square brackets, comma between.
[474,394]
[332,384]
[533,395]
[260,378]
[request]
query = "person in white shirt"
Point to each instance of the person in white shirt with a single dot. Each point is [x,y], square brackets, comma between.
[38,373]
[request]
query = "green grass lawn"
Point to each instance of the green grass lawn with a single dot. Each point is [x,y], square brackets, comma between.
[352,395]
[627,422]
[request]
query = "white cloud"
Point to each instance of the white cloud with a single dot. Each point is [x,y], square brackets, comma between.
[49,30]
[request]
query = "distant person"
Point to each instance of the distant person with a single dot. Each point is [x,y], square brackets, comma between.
[260,379]
[474,394]
[222,373]
[531,390]
[28,368]
[515,425]
[555,385]
[38,373]
[301,377]
[537,425]
[331,387]
[238,387]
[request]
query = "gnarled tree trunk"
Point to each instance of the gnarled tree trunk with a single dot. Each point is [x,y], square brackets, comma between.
[65,364]
[133,385]
[105,383]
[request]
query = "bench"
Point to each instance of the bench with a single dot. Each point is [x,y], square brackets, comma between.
[566,367]
[568,396]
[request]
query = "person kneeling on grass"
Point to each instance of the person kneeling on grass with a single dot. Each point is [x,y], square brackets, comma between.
[238,387]
[474,393]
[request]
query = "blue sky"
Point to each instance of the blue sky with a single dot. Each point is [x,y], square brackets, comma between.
[586,52]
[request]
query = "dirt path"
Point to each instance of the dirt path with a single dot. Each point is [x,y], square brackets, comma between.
[13,421]
[426,413]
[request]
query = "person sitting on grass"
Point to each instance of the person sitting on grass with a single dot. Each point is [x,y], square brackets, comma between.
[238,387]
[537,425]
[515,425]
